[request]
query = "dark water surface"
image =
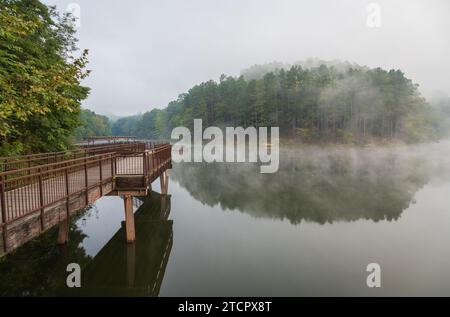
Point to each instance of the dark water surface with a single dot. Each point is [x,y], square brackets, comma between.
[310,229]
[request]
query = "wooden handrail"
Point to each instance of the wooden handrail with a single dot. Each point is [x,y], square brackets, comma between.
[32,189]
[51,165]
[19,162]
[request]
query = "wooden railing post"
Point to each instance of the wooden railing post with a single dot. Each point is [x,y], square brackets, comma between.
[112,166]
[144,166]
[4,219]
[101,176]
[86,181]
[158,157]
[153,163]
[41,198]
[66,173]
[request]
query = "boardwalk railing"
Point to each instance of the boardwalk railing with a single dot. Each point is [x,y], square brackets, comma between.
[27,161]
[32,189]
[146,163]
[44,185]
[156,160]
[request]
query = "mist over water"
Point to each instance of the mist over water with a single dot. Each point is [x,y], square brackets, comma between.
[313,227]
[322,184]
[226,229]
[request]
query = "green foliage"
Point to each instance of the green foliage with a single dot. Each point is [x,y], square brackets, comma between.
[40,91]
[127,126]
[331,102]
[92,124]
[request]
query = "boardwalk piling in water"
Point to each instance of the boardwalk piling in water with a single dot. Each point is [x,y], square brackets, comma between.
[129,219]
[63,232]
[164,179]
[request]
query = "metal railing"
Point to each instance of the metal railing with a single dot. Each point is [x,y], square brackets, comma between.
[42,186]
[27,161]
[23,162]
[156,160]
[32,189]
[147,163]
[110,139]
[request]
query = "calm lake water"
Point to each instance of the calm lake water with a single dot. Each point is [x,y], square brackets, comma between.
[227,230]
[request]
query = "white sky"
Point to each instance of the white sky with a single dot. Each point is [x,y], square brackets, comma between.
[143,53]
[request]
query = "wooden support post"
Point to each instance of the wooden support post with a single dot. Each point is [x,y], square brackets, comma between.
[129,219]
[164,179]
[163,205]
[166,173]
[161,181]
[63,232]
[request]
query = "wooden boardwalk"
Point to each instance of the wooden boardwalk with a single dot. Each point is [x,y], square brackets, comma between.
[36,198]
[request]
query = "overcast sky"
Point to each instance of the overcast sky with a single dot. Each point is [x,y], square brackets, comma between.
[144,53]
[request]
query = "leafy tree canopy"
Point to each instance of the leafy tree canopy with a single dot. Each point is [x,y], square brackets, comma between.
[40,76]
[92,124]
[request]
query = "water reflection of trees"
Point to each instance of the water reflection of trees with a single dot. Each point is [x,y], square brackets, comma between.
[39,267]
[318,185]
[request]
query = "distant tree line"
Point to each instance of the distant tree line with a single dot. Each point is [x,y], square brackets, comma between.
[332,103]
[92,124]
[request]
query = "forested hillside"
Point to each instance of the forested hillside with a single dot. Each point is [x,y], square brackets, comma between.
[329,102]
[92,124]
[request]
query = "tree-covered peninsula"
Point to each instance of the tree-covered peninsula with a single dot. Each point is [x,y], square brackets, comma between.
[310,102]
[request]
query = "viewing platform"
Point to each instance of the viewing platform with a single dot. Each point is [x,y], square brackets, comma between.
[40,191]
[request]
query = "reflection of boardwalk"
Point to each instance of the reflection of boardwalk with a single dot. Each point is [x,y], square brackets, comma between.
[36,198]
[137,269]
